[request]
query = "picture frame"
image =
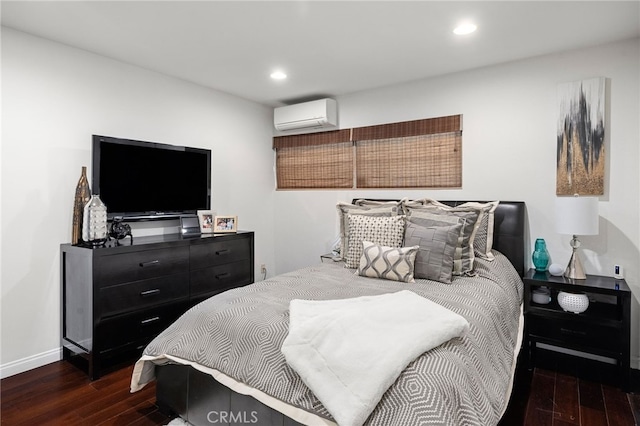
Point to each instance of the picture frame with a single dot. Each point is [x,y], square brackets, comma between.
[206,219]
[225,224]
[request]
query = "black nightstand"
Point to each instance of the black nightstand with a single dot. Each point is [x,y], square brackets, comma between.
[603,329]
[330,256]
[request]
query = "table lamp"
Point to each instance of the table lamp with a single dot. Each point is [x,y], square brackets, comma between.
[576,216]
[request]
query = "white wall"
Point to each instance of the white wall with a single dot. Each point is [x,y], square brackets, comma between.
[53,99]
[509,144]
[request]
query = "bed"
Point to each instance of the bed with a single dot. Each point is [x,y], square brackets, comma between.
[222,363]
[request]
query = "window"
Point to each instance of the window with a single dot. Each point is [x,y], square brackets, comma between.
[316,160]
[413,154]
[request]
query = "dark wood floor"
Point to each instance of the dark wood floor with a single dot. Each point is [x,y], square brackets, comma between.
[60,394]
[567,391]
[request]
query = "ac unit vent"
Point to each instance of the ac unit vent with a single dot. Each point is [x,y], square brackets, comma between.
[315,114]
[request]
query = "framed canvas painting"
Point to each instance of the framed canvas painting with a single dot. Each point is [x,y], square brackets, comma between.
[580,137]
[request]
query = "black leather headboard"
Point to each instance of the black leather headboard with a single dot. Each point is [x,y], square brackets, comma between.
[508,232]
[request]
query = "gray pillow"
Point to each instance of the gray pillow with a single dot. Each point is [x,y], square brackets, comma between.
[464,256]
[436,249]
[482,241]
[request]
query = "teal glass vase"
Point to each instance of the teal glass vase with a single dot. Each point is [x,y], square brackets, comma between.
[540,255]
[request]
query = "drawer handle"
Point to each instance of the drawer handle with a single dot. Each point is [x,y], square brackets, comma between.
[150,292]
[150,263]
[573,332]
[149,320]
[223,252]
[225,275]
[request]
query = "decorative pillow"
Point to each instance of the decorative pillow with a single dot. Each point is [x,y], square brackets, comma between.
[406,205]
[344,209]
[403,205]
[433,216]
[483,237]
[483,242]
[389,263]
[384,230]
[437,246]
[363,202]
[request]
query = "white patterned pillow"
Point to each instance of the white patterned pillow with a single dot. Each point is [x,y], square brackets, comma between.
[344,210]
[384,230]
[389,263]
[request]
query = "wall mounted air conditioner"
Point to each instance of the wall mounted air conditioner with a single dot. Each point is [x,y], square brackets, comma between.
[319,114]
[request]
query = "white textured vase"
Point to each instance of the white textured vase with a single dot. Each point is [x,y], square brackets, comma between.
[576,303]
[94,223]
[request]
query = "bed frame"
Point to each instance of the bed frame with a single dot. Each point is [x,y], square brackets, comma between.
[201,400]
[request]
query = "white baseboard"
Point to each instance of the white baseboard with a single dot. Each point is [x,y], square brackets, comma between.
[30,362]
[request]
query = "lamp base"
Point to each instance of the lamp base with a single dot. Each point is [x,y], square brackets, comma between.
[574,268]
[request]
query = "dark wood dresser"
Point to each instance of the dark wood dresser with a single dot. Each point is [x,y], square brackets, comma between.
[117,298]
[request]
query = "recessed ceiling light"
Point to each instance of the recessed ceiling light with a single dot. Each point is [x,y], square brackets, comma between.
[278,75]
[466,28]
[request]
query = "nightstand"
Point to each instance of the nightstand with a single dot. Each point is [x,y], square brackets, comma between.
[330,256]
[603,329]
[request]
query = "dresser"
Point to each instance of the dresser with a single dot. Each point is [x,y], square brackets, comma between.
[116,298]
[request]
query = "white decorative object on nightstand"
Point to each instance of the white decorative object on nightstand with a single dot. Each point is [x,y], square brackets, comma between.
[573,302]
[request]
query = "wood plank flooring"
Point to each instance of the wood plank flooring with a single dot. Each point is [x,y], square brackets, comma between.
[60,394]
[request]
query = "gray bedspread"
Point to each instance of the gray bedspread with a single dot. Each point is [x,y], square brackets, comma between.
[462,382]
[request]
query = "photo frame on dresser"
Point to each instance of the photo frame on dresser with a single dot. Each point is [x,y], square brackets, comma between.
[206,219]
[225,224]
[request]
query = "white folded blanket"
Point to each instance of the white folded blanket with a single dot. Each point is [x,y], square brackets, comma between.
[349,351]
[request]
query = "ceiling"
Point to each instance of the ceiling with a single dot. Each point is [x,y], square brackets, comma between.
[327,48]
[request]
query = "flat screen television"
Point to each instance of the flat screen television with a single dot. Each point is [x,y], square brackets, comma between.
[140,180]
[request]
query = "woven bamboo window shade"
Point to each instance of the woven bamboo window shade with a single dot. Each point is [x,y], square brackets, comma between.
[412,154]
[313,161]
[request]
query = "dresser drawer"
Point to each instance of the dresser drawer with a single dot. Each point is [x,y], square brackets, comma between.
[576,333]
[141,265]
[220,252]
[220,278]
[138,328]
[122,298]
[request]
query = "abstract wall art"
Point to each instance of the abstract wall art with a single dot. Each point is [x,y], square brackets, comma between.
[580,137]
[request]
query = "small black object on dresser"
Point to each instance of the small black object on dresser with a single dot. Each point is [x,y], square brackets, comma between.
[602,329]
[117,298]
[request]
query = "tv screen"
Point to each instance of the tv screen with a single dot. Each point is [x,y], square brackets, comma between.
[140,180]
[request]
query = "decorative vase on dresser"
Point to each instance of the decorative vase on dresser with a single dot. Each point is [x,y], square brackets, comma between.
[83,194]
[94,222]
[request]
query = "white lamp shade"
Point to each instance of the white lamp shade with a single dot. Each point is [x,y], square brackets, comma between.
[577,215]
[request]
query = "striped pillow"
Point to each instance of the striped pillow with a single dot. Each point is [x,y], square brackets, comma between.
[464,257]
[389,263]
[436,252]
